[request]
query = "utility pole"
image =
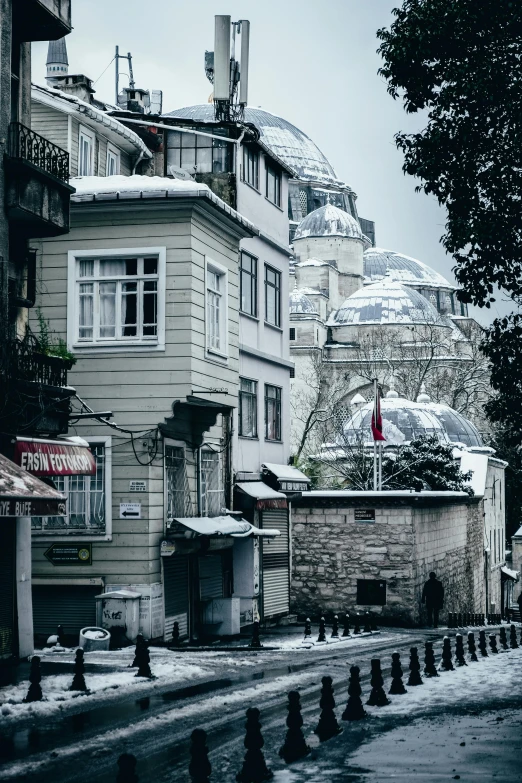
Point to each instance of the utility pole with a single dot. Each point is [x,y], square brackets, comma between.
[117,58]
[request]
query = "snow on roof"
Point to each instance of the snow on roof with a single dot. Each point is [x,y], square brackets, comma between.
[17,484]
[299,303]
[140,186]
[328,221]
[478,464]
[386,493]
[223,526]
[312,262]
[386,302]
[401,268]
[510,573]
[285,472]
[259,490]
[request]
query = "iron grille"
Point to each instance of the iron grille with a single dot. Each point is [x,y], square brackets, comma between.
[178,492]
[27,145]
[28,364]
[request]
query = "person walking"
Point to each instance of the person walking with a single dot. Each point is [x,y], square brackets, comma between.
[433,597]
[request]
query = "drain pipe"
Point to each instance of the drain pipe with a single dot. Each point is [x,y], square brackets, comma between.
[138,161]
[198,479]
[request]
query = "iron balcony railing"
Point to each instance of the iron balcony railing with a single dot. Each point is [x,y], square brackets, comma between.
[27,363]
[25,144]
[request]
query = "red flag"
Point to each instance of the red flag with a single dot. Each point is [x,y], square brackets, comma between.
[377,418]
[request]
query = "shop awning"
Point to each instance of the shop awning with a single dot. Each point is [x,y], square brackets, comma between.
[54,458]
[218,526]
[260,491]
[23,495]
[507,573]
[285,477]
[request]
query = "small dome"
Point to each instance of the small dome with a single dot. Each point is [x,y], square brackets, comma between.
[328,221]
[404,420]
[385,302]
[300,303]
[401,269]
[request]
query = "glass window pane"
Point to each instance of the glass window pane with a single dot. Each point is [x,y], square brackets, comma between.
[112,268]
[188,140]
[174,157]
[188,159]
[150,266]
[204,160]
[107,309]
[173,139]
[86,268]
[86,310]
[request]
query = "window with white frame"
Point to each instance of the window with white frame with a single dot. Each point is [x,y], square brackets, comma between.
[272,412]
[217,318]
[212,490]
[116,298]
[88,499]
[272,296]
[247,408]
[86,144]
[113,161]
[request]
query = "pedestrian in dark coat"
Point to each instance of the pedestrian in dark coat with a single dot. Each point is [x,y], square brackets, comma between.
[433,597]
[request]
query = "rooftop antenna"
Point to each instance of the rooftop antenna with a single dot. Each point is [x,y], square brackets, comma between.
[225,72]
[117,58]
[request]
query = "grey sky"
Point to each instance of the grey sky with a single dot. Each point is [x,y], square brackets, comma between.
[314,63]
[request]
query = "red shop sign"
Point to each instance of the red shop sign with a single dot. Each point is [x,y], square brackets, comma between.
[54,459]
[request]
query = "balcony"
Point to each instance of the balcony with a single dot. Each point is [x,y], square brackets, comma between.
[37,189]
[41,20]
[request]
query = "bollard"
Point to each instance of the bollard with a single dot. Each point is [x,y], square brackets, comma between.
[460,656]
[482,644]
[493,643]
[447,663]
[472,650]
[61,635]
[327,726]
[378,697]
[78,683]
[140,642]
[294,747]
[35,677]
[199,766]
[367,625]
[451,620]
[373,623]
[397,685]
[322,630]
[175,642]
[513,637]
[459,620]
[354,709]
[503,638]
[430,670]
[308,629]
[127,769]
[357,626]
[255,642]
[335,627]
[143,657]
[254,768]
[415,677]
[346,625]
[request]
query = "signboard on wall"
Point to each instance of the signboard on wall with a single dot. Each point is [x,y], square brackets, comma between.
[69,554]
[364,514]
[130,510]
[48,458]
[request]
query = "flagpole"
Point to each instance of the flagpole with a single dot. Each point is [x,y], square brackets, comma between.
[380,466]
[375,476]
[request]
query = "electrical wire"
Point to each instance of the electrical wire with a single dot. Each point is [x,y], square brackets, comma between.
[101,74]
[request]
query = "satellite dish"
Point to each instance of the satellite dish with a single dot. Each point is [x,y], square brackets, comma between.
[177,173]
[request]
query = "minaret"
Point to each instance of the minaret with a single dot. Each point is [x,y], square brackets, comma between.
[57,61]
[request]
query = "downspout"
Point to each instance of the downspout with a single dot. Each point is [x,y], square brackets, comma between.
[198,480]
[238,163]
[138,161]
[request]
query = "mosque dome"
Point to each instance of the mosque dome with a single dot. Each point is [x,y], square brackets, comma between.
[286,141]
[404,420]
[401,269]
[300,303]
[328,221]
[385,302]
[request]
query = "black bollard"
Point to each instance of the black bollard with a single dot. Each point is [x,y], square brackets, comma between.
[335,627]
[78,683]
[35,677]
[357,625]
[430,670]
[373,623]
[61,635]
[127,769]
[199,766]
[378,697]
[460,655]
[493,643]
[308,629]
[397,685]
[254,768]
[472,649]
[367,624]
[175,642]
[459,620]
[322,630]
[346,625]
[415,676]
[482,644]
[447,663]
[354,710]
[451,624]
[503,638]
[513,637]
[327,726]
[255,642]
[294,747]
[143,662]
[140,643]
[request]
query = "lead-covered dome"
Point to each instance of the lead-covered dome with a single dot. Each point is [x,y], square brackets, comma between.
[402,269]
[403,420]
[300,303]
[328,221]
[385,302]
[289,143]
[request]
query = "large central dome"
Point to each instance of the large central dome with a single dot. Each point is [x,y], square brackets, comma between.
[385,302]
[289,143]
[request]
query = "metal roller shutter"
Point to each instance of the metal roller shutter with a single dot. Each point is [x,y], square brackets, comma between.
[72,606]
[210,577]
[7,588]
[176,591]
[276,564]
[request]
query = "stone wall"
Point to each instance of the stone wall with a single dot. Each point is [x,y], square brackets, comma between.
[331,551]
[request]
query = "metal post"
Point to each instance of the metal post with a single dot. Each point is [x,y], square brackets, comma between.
[117,64]
[380,467]
[375,476]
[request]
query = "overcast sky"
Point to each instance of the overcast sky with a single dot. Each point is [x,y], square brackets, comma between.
[313,63]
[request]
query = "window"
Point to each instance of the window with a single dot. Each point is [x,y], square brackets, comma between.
[212,492]
[247,408]
[272,412]
[177,487]
[273,185]
[371,592]
[217,320]
[196,153]
[292,333]
[248,284]
[116,298]
[272,296]
[251,167]
[86,153]
[88,500]
[113,161]
[292,372]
